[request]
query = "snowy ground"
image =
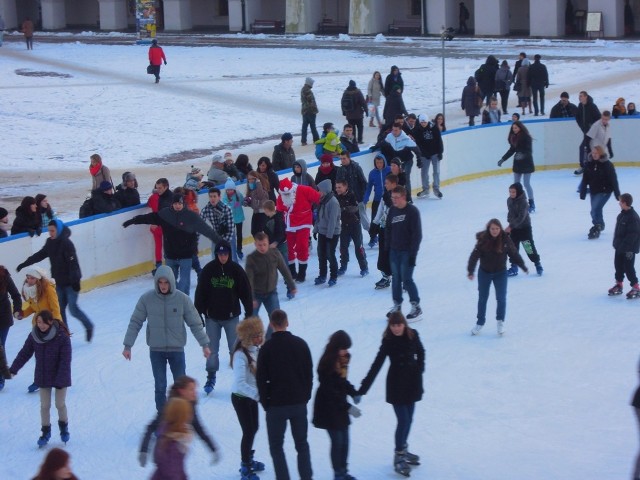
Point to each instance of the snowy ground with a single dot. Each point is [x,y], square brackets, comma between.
[548,400]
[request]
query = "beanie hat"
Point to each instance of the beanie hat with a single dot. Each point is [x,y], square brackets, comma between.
[285,185]
[352,83]
[423,118]
[229,184]
[217,158]
[105,185]
[35,272]
[309,81]
[222,247]
[195,170]
[286,136]
[154,42]
[326,158]
[3,213]
[177,198]
[126,176]
[396,161]
[228,156]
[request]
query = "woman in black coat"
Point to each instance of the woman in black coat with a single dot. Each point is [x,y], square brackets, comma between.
[520,147]
[402,345]
[331,409]
[28,219]
[8,309]
[393,106]
[471,100]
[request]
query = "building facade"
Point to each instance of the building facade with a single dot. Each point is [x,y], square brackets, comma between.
[535,18]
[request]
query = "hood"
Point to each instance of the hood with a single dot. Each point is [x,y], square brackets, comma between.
[324,186]
[471,82]
[491,60]
[394,67]
[384,159]
[518,188]
[303,167]
[164,272]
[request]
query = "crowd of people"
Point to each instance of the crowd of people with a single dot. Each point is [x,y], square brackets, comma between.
[286,214]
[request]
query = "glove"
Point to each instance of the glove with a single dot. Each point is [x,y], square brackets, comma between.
[127,223]
[215,457]
[246,202]
[20,267]
[629,255]
[356,399]
[315,235]
[419,162]
[18,315]
[142,458]
[412,260]
[75,286]
[354,411]
[439,156]
[165,62]
[500,162]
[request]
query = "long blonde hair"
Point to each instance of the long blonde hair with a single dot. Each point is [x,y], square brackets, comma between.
[176,417]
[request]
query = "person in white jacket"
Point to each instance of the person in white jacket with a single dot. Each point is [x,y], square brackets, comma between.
[244,392]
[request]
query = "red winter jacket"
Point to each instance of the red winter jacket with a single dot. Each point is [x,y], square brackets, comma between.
[301,214]
[156,55]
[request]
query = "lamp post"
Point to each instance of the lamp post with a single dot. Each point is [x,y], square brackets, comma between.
[447,34]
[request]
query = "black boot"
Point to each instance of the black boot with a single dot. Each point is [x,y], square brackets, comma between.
[4,367]
[302,273]
[292,269]
[64,431]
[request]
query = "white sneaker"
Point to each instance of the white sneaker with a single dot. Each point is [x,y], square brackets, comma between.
[500,327]
[476,330]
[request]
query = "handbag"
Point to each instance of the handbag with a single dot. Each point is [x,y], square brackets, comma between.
[150,69]
[517,86]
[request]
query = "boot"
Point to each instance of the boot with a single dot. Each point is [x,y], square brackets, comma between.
[371,123]
[400,464]
[247,472]
[292,269]
[210,383]
[64,431]
[532,206]
[255,464]
[5,374]
[302,273]
[411,458]
[46,435]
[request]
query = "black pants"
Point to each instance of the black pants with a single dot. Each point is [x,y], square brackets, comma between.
[327,252]
[356,123]
[374,209]
[352,232]
[625,266]
[247,411]
[156,71]
[584,151]
[384,265]
[258,221]
[535,91]
[239,236]
[504,99]
[524,235]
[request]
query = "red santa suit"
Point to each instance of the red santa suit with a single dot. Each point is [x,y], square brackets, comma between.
[296,202]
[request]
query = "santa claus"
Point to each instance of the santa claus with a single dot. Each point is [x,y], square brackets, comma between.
[296,202]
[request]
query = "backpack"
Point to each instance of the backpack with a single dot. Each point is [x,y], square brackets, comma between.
[347,103]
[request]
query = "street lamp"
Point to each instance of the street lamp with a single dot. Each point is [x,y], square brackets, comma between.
[446,34]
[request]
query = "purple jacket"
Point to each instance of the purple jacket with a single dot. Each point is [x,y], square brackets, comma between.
[53,357]
[169,459]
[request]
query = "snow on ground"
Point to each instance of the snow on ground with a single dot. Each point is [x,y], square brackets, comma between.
[548,400]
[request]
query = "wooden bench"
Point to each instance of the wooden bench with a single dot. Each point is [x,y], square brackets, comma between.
[410,26]
[267,26]
[328,25]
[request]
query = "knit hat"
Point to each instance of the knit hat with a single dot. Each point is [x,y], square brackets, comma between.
[195,170]
[177,198]
[396,161]
[309,81]
[423,118]
[3,213]
[286,136]
[35,272]
[222,247]
[217,158]
[285,185]
[105,185]
[229,184]
[326,158]
[228,156]
[352,83]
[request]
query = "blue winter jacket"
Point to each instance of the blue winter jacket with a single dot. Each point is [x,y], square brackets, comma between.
[376,180]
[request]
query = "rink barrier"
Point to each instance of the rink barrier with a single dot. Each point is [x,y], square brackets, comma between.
[109,253]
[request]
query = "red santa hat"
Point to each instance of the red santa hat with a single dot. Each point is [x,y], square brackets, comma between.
[286,186]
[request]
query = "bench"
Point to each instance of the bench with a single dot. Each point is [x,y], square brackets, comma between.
[267,26]
[410,26]
[328,25]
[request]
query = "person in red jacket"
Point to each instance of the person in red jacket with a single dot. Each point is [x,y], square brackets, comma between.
[159,199]
[296,203]
[156,57]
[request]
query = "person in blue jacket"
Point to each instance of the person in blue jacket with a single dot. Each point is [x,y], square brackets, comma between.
[375,183]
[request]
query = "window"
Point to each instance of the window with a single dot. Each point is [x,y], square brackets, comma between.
[223,8]
[416,8]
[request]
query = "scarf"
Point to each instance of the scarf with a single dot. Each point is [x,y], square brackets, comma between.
[326,170]
[95,169]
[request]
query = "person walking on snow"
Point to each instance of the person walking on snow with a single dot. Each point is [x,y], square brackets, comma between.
[309,111]
[156,57]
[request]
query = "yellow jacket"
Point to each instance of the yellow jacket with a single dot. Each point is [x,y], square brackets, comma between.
[49,301]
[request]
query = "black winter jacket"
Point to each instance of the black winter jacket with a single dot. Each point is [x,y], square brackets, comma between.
[349,214]
[494,260]
[99,202]
[8,307]
[404,378]
[61,251]
[538,75]
[27,222]
[521,147]
[354,177]
[626,237]
[128,197]
[331,408]
[600,176]
[429,140]
[587,114]
[221,289]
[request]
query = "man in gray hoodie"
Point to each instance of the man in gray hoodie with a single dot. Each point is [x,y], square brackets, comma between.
[166,310]
[327,233]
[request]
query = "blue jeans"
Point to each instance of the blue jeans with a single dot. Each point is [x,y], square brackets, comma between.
[271,303]
[598,201]
[424,173]
[348,233]
[402,275]
[309,120]
[159,362]
[339,450]
[182,271]
[525,179]
[404,415]
[499,280]
[67,296]
[276,427]
[214,331]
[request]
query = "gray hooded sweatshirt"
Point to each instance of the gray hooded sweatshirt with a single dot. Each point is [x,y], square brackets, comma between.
[328,223]
[166,316]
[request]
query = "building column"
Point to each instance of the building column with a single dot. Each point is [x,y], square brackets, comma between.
[54,16]
[441,13]
[491,17]
[303,16]
[177,15]
[612,16]
[546,18]
[113,14]
[9,13]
